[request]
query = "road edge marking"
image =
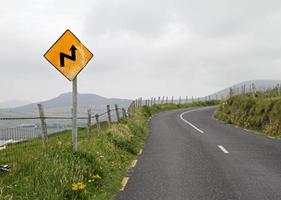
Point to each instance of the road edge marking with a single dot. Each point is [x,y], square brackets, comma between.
[124,183]
[133,164]
[189,123]
[223,149]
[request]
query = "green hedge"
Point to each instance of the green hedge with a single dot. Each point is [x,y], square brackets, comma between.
[252,112]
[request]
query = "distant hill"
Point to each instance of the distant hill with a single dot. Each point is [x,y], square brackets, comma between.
[62,105]
[259,84]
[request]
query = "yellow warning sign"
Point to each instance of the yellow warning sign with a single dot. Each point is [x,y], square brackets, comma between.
[68,55]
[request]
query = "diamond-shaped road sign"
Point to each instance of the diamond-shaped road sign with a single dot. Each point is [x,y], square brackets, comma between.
[68,55]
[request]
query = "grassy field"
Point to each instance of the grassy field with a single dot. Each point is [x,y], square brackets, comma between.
[95,171]
[253,112]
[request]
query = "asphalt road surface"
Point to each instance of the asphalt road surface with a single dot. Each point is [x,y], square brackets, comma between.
[189,155]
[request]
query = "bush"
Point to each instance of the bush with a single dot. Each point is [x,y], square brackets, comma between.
[262,114]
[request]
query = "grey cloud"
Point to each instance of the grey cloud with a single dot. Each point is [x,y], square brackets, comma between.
[141,48]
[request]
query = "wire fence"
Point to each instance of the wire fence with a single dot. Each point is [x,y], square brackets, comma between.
[37,130]
[264,92]
[30,127]
[27,134]
[21,132]
[172,100]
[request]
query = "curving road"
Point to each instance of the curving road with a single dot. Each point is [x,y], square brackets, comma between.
[189,155]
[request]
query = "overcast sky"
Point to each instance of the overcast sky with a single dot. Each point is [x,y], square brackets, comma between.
[141,48]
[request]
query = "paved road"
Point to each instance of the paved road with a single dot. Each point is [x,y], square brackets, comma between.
[188,155]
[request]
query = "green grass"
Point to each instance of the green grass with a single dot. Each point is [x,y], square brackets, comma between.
[40,173]
[252,112]
[48,173]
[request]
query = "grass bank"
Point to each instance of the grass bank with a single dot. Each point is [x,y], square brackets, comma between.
[252,112]
[95,171]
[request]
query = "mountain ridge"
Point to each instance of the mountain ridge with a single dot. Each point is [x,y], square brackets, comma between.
[63,102]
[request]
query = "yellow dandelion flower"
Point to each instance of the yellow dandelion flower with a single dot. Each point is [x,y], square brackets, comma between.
[75,186]
[96,178]
[78,186]
[81,186]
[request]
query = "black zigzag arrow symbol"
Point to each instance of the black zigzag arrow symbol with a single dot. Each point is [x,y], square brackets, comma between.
[71,57]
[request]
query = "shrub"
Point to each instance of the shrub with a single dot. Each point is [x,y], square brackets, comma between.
[257,113]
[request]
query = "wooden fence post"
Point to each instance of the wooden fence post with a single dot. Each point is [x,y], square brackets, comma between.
[140,102]
[159,100]
[108,114]
[124,113]
[131,108]
[89,129]
[98,122]
[154,100]
[43,125]
[117,112]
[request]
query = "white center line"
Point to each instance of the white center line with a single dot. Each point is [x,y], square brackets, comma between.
[223,149]
[190,124]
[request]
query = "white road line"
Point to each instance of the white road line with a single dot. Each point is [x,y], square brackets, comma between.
[190,124]
[223,149]
[133,164]
[124,183]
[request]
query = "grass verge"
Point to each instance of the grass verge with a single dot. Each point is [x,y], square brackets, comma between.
[247,111]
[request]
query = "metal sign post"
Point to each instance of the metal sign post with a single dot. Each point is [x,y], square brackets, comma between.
[74,114]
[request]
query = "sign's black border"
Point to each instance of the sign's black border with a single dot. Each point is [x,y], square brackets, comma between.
[80,42]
